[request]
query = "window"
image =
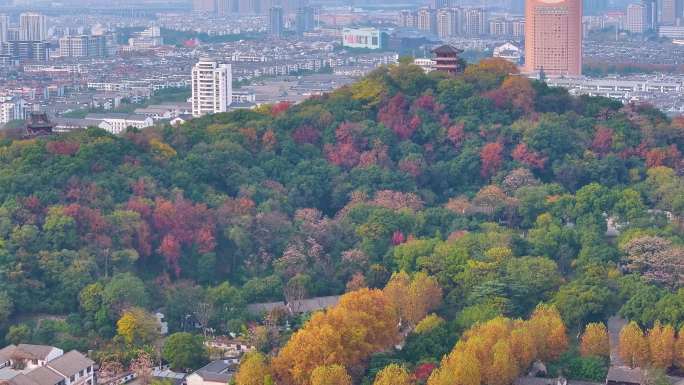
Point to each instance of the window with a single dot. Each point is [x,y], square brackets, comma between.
[72,378]
[81,373]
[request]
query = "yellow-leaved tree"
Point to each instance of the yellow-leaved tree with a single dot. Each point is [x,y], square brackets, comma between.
[362,323]
[254,370]
[413,297]
[661,345]
[595,340]
[679,349]
[633,347]
[330,375]
[498,351]
[393,375]
[457,368]
[137,327]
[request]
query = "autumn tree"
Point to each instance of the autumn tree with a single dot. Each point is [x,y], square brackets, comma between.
[413,298]
[492,158]
[137,327]
[504,367]
[254,370]
[550,333]
[633,348]
[393,374]
[457,368]
[661,344]
[595,341]
[363,322]
[330,375]
[679,349]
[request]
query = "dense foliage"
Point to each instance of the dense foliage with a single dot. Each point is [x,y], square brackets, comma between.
[509,193]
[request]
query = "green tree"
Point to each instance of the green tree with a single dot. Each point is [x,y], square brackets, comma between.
[6,307]
[18,334]
[184,351]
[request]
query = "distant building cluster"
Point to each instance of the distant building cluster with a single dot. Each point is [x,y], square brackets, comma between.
[29,41]
[457,21]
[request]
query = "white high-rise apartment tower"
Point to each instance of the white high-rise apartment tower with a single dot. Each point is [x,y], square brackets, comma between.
[32,27]
[4,26]
[212,87]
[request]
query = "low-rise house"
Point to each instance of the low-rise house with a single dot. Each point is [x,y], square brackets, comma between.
[26,364]
[296,306]
[215,373]
[76,368]
[118,123]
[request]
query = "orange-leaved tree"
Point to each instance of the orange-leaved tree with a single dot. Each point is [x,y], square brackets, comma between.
[633,347]
[661,345]
[595,340]
[362,323]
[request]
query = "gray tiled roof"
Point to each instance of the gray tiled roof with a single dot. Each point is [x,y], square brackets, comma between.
[70,363]
[36,352]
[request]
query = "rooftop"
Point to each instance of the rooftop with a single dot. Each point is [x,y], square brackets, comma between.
[71,363]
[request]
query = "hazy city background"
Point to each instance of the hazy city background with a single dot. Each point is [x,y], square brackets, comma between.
[129,63]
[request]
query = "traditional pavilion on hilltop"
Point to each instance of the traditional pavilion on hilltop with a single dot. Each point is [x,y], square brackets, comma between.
[447,59]
[38,124]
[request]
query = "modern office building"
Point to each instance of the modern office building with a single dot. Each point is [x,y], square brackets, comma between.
[20,50]
[553,37]
[32,27]
[276,21]
[212,87]
[83,46]
[368,38]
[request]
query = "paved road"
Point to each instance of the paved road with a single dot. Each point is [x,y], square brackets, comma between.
[615,324]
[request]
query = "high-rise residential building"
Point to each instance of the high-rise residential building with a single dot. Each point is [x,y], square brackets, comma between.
[671,12]
[4,28]
[651,13]
[212,87]
[447,22]
[32,27]
[594,7]
[209,6]
[408,19]
[636,19]
[500,27]
[518,27]
[275,21]
[305,20]
[475,22]
[553,37]
[427,20]
[438,4]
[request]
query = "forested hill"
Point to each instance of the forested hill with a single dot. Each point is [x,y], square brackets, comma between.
[496,185]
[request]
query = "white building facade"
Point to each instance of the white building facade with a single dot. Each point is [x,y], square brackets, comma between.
[212,87]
